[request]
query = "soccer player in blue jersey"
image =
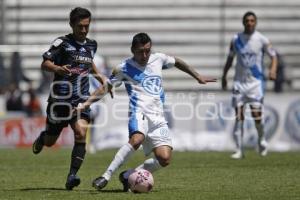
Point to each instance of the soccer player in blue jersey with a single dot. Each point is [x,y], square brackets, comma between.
[142,76]
[70,58]
[249,47]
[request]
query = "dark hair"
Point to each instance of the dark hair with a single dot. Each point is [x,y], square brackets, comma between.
[79,13]
[249,13]
[140,38]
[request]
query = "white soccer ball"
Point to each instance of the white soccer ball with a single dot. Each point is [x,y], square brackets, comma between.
[140,181]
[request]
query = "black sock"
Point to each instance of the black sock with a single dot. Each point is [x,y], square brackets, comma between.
[41,137]
[77,158]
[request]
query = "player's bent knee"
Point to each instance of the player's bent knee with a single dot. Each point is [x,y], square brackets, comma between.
[136,140]
[79,137]
[164,161]
[136,146]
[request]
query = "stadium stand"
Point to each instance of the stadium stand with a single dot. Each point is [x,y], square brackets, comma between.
[197,31]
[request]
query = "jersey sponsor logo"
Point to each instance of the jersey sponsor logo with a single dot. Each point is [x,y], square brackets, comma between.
[152,85]
[83,59]
[78,70]
[70,48]
[292,120]
[249,59]
[82,49]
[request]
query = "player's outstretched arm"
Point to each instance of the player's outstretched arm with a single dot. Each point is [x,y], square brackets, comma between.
[180,64]
[100,77]
[96,96]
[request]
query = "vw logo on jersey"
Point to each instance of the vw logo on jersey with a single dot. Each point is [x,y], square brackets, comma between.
[249,59]
[292,120]
[152,84]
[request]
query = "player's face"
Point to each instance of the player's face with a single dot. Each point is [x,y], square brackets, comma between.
[81,29]
[141,53]
[250,24]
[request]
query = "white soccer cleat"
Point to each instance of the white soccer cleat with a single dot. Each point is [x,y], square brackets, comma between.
[238,155]
[262,148]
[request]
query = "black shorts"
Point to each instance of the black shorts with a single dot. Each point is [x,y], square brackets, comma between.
[60,115]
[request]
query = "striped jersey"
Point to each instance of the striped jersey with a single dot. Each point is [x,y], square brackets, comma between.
[143,83]
[250,50]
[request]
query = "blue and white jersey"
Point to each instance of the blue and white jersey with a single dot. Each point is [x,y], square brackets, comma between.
[144,83]
[250,51]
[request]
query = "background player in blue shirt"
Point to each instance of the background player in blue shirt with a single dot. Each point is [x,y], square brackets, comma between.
[70,58]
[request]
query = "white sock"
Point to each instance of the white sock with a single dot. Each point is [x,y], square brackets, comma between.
[150,164]
[238,134]
[121,157]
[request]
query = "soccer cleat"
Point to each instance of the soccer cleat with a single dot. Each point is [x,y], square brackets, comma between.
[262,148]
[238,155]
[99,183]
[124,181]
[72,181]
[37,146]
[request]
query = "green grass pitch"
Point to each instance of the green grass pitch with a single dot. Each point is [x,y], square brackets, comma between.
[191,175]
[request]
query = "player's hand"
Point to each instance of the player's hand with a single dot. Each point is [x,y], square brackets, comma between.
[80,108]
[272,75]
[224,83]
[204,79]
[63,70]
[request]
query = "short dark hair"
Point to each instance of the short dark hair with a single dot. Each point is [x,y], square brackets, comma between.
[140,38]
[249,13]
[79,13]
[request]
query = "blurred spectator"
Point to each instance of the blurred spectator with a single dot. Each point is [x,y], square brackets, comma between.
[33,107]
[2,75]
[14,100]
[16,70]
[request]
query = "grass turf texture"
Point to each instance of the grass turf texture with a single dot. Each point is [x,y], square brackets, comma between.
[191,175]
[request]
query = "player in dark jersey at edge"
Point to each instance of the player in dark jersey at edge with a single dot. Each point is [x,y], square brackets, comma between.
[70,58]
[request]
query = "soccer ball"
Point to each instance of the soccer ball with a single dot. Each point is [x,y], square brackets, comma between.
[140,181]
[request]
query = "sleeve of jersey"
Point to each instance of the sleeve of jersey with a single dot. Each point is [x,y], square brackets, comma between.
[116,77]
[268,47]
[232,49]
[167,61]
[54,50]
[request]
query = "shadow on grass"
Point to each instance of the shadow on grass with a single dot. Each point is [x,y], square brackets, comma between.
[76,190]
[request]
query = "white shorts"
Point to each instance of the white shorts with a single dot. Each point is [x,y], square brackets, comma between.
[155,129]
[251,93]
